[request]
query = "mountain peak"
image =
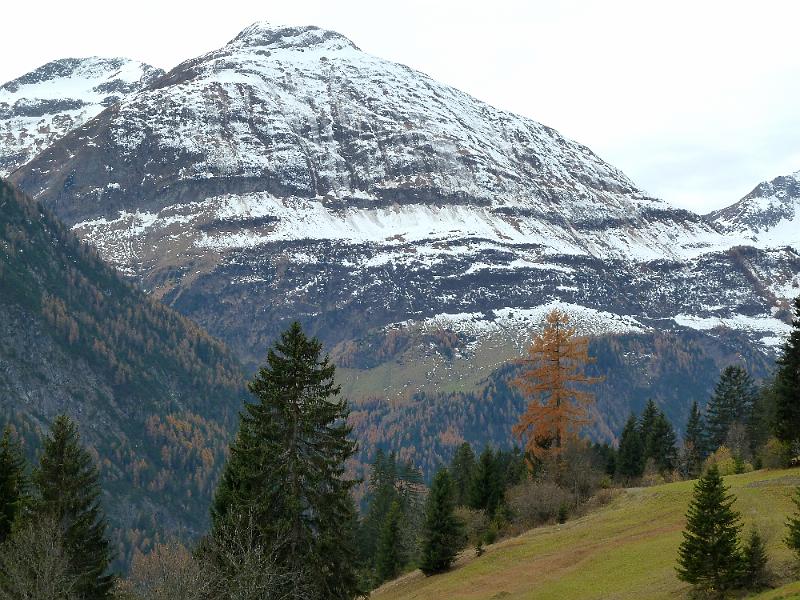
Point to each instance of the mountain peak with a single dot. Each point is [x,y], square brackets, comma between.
[268,35]
[42,106]
[86,72]
[769,214]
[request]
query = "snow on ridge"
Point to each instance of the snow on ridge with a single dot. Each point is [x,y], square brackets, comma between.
[298,219]
[739,322]
[433,231]
[521,322]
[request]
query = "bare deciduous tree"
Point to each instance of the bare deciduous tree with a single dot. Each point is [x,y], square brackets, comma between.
[168,572]
[34,564]
[233,564]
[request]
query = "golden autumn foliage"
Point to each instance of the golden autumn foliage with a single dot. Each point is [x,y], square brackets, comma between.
[557,410]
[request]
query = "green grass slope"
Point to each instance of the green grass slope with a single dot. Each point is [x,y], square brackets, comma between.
[626,549]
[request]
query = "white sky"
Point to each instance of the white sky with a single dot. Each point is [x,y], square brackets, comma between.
[696,101]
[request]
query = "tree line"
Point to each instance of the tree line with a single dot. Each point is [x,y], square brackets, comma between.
[284,522]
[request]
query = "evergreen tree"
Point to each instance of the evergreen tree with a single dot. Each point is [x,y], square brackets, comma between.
[511,467]
[462,468]
[486,491]
[793,538]
[762,418]
[695,440]
[660,444]
[286,468]
[664,444]
[648,421]
[732,402]
[68,491]
[389,558]
[709,556]
[754,563]
[391,482]
[381,494]
[787,386]
[13,482]
[442,532]
[410,494]
[630,456]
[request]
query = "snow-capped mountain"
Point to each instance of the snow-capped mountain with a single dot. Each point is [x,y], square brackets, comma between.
[291,175]
[769,216]
[40,107]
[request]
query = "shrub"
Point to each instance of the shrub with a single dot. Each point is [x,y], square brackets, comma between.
[652,475]
[726,462]
[563,512]
[773,454]
[537,502]
[475,523]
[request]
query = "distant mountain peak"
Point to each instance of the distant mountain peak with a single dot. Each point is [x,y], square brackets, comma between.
[270,36]
[42,106]
[770,214]
[90,70]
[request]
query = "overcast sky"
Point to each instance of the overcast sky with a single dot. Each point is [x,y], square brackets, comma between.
[696,101]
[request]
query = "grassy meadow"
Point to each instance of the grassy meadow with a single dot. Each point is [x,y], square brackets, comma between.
[625,549]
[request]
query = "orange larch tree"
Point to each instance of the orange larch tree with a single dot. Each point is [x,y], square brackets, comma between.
[557,410]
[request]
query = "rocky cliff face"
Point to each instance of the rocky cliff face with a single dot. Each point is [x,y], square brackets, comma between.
[419,232]
[41,107]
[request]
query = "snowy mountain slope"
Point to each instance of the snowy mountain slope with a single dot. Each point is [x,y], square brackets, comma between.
[42,106]
[291,175]
[769,216]
[310,116]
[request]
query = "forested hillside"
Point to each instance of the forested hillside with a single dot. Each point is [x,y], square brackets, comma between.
[154,395]
[672,370]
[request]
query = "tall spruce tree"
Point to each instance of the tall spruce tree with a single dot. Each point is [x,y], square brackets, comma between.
[648,420]
[763,418]
[389,558]
[793,525]
[787,387]
[381,494]
[67,490]
[658,438]
[709,556]
[287,469]
[695,440]
[442,532]
[486,490]
[630,456]
[14,484]
[462,468]
[660,444]
[732,402]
